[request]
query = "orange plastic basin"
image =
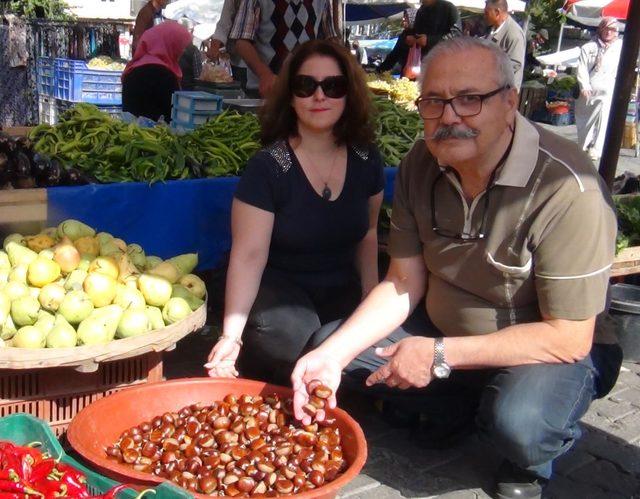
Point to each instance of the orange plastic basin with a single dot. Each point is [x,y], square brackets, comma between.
[101,423]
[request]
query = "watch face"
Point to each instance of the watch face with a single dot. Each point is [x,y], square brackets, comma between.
[441,371]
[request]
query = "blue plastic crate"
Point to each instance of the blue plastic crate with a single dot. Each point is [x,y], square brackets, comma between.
[188,119]
[45,76]
[197,102]
[75,82]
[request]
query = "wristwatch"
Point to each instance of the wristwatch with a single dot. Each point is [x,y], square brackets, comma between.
[440,368]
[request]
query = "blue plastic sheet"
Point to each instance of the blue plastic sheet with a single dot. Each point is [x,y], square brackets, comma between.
[166,219]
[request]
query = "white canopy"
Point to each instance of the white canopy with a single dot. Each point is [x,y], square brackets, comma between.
[204,13]
[478,5]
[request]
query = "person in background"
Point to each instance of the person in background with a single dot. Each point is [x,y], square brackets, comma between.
[435,20]
[151,77]
[304,218]
[266,31]
[148,16]
[597,70]
[507,34]
[491,217]
[537,45]
[190,60]
[359,52]
[400,51]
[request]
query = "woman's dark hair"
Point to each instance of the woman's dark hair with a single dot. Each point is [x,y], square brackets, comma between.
[278,118]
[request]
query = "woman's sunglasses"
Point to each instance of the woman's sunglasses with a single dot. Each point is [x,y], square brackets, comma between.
[333,87]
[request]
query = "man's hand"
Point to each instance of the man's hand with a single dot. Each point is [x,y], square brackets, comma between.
[266,82]
[586,93]
[422,40]
[314,365]
[213,51]
[410,40]
[409,365]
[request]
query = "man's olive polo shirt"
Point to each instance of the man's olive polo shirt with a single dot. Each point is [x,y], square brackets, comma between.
[549,238]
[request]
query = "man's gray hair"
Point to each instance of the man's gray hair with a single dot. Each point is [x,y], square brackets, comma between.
[504,68]
[498,4]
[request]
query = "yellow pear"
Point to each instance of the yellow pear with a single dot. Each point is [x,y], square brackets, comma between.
[51,296]
[42,272]
[15,290]
[67,256]
[167,270]
[105,265]
[75,280]
[194,284]
[155,289]
[101,288]
[19,274]
[16,238]
[5,264]
[20,255]
[185,263]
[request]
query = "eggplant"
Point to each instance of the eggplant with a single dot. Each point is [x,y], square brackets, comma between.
[4,168]
[52,176]
[39,168]
[73,176]
[7,144]
[24,183]
[196,169]
[22,165]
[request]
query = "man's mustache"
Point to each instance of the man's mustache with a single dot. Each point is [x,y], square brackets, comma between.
[453,132]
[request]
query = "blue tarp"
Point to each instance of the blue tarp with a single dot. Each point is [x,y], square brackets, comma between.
[366,12]
[166,219]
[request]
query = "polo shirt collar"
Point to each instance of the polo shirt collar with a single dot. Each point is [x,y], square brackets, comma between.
[523,156]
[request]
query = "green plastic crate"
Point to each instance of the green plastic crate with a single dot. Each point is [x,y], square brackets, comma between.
[23,429]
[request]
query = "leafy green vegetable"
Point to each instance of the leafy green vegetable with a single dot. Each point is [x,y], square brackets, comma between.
[628,208]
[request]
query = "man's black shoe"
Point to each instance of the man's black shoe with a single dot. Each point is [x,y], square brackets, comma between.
[515,483]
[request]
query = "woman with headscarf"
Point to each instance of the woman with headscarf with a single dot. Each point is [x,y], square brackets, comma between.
[597,69]
[151,77]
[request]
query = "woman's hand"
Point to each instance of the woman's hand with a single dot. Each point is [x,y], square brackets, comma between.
[314,365]
[222,359]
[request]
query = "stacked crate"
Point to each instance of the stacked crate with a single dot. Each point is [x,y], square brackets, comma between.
[191,109]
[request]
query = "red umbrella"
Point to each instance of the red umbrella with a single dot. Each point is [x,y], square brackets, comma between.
[617,8]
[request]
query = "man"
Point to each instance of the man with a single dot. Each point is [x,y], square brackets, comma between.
[435,20]
[597,71]
[266,31]
[400,51]
[507,233]
[190,61]
[536,46]
[148,16]
[509,36]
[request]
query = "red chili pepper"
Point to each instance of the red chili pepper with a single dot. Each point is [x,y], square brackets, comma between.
[75,482]
[42,469]
[9,486]
[51,488]
[10,495]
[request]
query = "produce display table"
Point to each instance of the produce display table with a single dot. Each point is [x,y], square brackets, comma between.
[166,219]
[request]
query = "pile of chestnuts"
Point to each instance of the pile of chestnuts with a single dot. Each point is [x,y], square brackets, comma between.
[242,446]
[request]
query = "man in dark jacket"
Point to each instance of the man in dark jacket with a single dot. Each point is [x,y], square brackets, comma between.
[400,51]
[435,20]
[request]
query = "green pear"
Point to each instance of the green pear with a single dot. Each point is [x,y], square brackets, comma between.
[156,290]
[179,291]
[85,262]
[166,269]
[155,316]
[29,337]
[19,274]
[100,327]
[101,288]
[45,321]
[136,255]
[47,253]
[63,335]
[4,261]
[175,310]
[103,237]
[5,306]
[110,248]
[133,322]
[185,263]
[24,311]
[74,229]
[76,306]
[20,255]
[128,297]
[4,277]
[51,296]
[8,329]
[152,261]
[52,232]
[194,284]
[15,290]
[75,280]
[17,238]
[34,292]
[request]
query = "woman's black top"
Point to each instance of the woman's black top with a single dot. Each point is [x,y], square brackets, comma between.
[147,91]
[313,239]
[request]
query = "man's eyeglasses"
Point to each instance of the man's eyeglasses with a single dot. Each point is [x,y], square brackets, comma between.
[462,236]
[432,108]
[333,87]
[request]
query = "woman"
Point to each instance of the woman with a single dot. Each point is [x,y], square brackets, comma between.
[597,69]
[304,216]
[151,77]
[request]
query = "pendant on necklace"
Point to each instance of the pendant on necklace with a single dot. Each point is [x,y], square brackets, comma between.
[326,193]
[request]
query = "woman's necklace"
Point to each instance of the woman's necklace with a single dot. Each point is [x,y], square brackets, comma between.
[326,191]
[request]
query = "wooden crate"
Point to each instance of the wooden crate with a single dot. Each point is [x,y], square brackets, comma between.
[23,211]
[56,395]
[626,262]
[532,99]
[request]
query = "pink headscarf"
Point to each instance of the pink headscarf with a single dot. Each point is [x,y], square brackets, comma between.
[161,45]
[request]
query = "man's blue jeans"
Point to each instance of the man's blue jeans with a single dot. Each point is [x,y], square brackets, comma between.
[528,413]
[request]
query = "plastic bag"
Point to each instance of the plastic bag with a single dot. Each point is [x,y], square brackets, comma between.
[217,71]
[411,69]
